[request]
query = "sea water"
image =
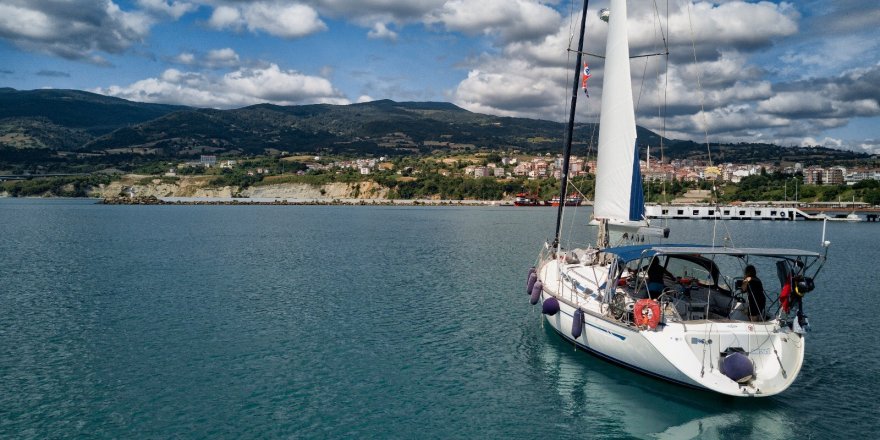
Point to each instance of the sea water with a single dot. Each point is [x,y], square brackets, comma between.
[370,322]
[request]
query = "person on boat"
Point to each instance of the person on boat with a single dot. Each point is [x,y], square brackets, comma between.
[655,278]
[754,290]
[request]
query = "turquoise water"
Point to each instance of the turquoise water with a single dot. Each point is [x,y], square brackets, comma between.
[366,322]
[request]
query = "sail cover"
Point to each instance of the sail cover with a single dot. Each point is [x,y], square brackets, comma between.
[618,181]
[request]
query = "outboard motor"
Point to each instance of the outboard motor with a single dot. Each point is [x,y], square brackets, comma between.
[804,285]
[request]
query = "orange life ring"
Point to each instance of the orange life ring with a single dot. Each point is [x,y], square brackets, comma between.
[647,313]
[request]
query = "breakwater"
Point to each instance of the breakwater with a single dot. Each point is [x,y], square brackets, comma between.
[152,200]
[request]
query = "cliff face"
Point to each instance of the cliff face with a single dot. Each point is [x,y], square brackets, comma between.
[198,186]
[362,190]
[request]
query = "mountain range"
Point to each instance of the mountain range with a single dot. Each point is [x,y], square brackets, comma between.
[82,122]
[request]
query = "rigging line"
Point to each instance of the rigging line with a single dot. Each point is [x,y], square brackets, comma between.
[776,353]
[662,33]
[647,55]
[661,99]
[571,26]
[645,68]
[642,86]
[699,84]
[573,222]
[658,54]
[714,228]
[665,78]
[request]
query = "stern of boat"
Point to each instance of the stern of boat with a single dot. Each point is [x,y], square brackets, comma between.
[734,358]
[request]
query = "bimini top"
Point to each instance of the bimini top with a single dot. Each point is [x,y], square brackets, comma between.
[628,253]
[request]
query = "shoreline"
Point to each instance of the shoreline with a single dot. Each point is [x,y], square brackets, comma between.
[287,201]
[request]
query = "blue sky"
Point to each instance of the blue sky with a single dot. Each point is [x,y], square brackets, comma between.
[792,73]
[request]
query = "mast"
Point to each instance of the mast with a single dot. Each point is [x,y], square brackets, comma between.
[563,186]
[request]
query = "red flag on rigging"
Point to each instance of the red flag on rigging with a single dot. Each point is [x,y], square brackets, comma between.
[584,77]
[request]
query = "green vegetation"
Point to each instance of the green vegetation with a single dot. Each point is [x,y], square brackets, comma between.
[71,186]
[160,179]
[665,192]
[239,178]
[448,187]
[868,191]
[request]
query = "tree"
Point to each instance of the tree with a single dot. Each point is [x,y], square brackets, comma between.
[872,196]
[867,183]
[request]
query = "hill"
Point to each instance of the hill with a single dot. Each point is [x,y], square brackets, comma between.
[761,153]
[74,109]
[122,132]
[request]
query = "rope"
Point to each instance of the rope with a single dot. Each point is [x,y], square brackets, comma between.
[776,353]
[699,85]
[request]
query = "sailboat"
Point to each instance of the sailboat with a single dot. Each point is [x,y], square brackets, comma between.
[691,314]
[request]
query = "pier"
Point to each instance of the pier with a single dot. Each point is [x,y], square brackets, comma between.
[776,212]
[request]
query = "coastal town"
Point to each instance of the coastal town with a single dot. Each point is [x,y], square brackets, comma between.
[463,174]
[539,167]
[517,166]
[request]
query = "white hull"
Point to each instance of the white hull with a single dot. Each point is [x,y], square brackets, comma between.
[687,352]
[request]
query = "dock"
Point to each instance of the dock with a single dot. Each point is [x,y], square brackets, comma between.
[762,212]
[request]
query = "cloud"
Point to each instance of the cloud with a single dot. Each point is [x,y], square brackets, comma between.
[53,74]
[724,93]
[827,57]
[827,142]
[842,16]
[513,88]
[213,59]
[871,146]
[816,105]
[242,87]
[512,20]
[275,18]
[186,58]
[712,28]
[225,57]
[371,10]
[75,29]
[381,32]
[173,9]
[726,33]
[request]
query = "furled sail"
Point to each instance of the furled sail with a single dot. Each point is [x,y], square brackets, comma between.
[619,195]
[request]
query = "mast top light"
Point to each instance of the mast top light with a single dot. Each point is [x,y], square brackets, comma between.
[604,13]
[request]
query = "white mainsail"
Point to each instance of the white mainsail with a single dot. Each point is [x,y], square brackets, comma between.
[618,182]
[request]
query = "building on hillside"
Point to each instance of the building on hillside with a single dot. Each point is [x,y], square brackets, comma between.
[813,176]
[541,169]
[711,173]
[576,167]
[857,176]
[834,176]
[658,176]
[208,161]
